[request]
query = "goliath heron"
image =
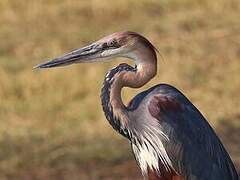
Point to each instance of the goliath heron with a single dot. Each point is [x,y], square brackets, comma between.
[169,137]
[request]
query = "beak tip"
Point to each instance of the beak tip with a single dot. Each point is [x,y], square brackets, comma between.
[36,67]
[40,66]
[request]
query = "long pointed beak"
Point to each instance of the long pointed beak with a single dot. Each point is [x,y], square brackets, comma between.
[81,55]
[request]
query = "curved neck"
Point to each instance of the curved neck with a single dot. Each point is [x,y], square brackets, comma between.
[125,76]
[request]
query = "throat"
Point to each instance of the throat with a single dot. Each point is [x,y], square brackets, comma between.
[113,106]
[123,76]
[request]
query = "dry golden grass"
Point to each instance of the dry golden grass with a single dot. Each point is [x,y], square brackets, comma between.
[52,125]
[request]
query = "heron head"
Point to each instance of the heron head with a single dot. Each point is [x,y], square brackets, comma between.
[119,44]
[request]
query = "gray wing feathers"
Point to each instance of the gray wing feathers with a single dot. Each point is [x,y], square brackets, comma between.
[192,146]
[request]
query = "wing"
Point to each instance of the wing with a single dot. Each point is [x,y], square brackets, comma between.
[180,135]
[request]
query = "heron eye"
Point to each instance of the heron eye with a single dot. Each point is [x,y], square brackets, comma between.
[114,43]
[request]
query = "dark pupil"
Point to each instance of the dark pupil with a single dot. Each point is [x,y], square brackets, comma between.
[113,43]
[110,44]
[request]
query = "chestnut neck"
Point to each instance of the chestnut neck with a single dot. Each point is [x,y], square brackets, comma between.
[126,76]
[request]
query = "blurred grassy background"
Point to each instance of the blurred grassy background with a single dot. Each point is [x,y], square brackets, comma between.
[52,125]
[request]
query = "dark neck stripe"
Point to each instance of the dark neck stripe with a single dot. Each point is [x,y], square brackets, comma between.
[105,97]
